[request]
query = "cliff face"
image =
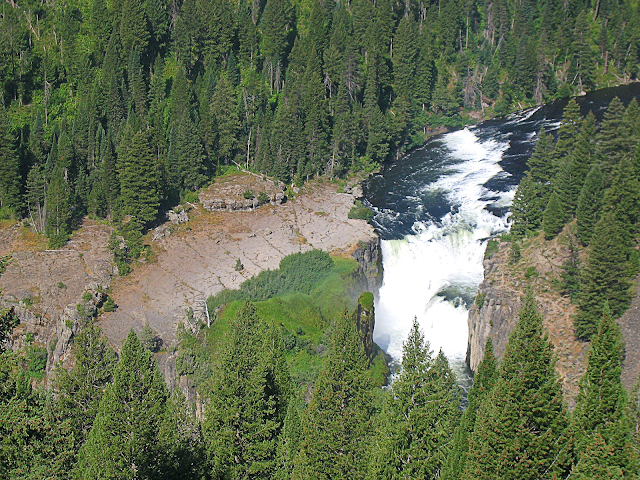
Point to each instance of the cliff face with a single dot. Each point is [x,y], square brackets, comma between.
[500,297]
[369,258]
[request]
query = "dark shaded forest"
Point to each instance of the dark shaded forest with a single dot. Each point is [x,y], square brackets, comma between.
[119,109]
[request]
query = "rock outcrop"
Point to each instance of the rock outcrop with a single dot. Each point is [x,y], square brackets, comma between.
[500,297]
[369,258]
[364,318]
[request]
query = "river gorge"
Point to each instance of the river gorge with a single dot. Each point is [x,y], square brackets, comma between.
[435,210]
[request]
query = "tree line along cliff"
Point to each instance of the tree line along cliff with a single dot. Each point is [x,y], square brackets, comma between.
[117,109]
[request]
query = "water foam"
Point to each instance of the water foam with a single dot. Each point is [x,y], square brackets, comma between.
[433,274]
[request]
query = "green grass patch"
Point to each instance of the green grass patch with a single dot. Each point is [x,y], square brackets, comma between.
[492,247]
[300,299]
[360,212]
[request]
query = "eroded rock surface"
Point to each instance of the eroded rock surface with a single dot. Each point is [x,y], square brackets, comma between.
[500,297]
[199,258]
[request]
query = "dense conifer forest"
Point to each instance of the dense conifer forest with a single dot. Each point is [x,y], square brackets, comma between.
[119,110]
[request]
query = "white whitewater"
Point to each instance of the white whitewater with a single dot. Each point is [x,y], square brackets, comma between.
[427,275]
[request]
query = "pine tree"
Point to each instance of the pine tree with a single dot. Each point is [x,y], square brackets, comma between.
[521,429]
[589,204]
[248,401]
[604,277]
[134,32]
[225,111]
[419,418]
[610,141]
[576,165]
[124,439]
[532,195]
[9,169]
[582,54]
[316,118]
[180,439]
[568,131]
[33,442]
[338,418]
[289,441]
[483,383]
[80,389]
[602,401]
[58,225]
[553,217]
[594,463]
[139,180]
[623,200]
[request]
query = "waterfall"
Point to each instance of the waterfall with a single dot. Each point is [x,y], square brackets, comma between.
[435,210]
[433,274]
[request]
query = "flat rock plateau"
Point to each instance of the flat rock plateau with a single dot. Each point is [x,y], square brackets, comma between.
[191,259]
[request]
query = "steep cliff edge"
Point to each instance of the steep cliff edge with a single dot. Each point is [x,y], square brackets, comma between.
[495,311]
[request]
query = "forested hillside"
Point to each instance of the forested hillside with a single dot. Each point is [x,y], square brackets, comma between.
[589,178]
[117,108]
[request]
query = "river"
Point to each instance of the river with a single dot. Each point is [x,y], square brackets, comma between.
[436,208]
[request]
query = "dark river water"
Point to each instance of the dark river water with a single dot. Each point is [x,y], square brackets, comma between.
[435,209]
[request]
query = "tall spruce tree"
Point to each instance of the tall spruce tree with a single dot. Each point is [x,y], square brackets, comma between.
[553,217]
[589,204]
[610,141]
[180,438]
[124,439]
[58,226]
[248,401]
[576,165]
[568,131]
[419,417]
[138,173]
[9,168]
[594,462]
[483,383]
[521,429]
[604,277]
[80,390]
[623,200]
[338,419]
[602,401]
[532,195]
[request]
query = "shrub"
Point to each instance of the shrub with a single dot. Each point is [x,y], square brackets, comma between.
[191,197]
[492,247]
[109,305]
[263,198]
[480,298]
[61,285]
[360,212]
[530,272]
[186,363]
[149,338]
[82,310]
[239,266]
[4,263]
[36,359]
[86,296]
[514,253]
[297,273]
[6,213]
[248,194]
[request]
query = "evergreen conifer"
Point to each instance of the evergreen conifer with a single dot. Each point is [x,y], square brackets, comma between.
[124,439]
[603,278]
[589,204]
[521,430]
[553,218]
